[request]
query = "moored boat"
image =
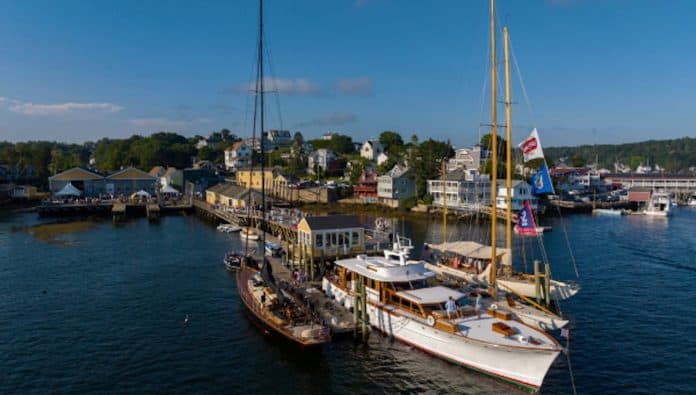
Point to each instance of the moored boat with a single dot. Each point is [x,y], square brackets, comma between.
[401,304]
[608,212]
[233,260]
[249,234]
[276,313]
[659,205]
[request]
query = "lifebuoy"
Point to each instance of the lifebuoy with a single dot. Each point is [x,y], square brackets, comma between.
[430,320]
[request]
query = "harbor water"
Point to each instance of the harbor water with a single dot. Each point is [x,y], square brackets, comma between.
[89,307]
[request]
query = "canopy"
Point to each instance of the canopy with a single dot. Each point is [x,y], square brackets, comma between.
[69,190]
[170,190]
[140,193]
[469,249]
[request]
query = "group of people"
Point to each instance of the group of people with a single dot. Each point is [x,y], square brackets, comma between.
[298,277]
[451,306]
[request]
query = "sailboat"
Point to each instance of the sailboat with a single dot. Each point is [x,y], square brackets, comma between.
[477,263]
[272,309]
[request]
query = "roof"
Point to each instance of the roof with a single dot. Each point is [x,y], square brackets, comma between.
[397,171]
[130,173]
[503,183]
[469,249]
[438,294]
[382,269]
[77,173]
[235,146]
[230,190]
[333,222]
[156,171]
[169,171]
[456,175]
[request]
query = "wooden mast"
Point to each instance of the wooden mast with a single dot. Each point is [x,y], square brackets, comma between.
[494,157]
[261,126]
[444,203]
[508,146]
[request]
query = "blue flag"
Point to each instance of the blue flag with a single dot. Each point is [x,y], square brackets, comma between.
[541,181]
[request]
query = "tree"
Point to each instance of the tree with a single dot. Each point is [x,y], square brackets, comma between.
[390,140]
[577,161]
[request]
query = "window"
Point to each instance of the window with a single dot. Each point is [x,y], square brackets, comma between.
[356,238]
[319,240]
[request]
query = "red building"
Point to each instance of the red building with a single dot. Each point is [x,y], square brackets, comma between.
[367,186]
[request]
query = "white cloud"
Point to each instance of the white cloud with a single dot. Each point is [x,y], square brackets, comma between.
[355,86]
[163,123]
[296,86]
[334,119]
[32,109]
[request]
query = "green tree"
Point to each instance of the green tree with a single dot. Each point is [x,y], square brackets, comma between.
[391,140]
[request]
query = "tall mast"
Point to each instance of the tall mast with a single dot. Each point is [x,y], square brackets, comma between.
[508,145]
[444,203]
[260,93]
[494,155]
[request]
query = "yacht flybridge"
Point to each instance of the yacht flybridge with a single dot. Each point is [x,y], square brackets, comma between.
[400,303]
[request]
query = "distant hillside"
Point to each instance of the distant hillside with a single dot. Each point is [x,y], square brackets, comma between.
[673,155]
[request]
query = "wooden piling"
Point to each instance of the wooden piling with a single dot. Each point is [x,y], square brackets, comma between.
[537,281]
[547,283]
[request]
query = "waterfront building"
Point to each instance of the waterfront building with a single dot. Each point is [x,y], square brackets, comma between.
[463,189]
[237,155]
[371,149]
[128,181]
[331,235]
[396,185]
[231,195]
[198,179]
[520,192]
[320,160]
[672,183]
[89,182]
[274,179]
[367,184]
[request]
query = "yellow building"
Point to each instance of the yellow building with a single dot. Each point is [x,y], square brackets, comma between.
[332,235]
[230,195]
[273,178]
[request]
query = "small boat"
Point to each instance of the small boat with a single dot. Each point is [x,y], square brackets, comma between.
[659,205]
[228,228]
[249,234]
[274,311]
[608,212]
[233,260]
[692,200]
[272,249]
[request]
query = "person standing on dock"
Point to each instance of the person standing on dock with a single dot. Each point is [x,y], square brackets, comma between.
[477,307]
[450,307]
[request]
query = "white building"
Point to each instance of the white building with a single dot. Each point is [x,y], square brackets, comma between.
[237,155]
[279,138]
[466,158]
[328,136]
[202,142]
[521,191]
[381,158]
[462,189]
[371,149]
[398,184]
[321,158]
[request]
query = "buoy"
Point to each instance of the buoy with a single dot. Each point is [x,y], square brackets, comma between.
[186,320]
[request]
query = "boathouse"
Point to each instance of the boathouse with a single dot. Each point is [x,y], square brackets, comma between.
[332,235]
[128,181]
[231,195]
[89,182]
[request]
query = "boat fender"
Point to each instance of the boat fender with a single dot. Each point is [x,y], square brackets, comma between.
[494,306]
[430,320]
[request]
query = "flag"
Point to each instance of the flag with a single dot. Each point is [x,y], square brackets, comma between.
[541,181]
[531,147]
[525,220]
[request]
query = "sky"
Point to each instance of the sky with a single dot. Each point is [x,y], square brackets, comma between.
[594,71]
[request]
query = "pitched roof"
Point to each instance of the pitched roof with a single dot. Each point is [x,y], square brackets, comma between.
[77,173]
[156,171]
[398,171]
[130,173]
[235,146]
[333,222]
[230,190]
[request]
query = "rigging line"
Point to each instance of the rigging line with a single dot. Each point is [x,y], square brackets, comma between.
[276,91]
[570,367]
[565,235]
[522,86]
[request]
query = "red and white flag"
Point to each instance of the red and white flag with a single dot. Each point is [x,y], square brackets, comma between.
[531,147]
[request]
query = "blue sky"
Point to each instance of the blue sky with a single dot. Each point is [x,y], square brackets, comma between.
[596,71]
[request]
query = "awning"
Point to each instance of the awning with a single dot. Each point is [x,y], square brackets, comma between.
[140,193]
[69,190]
[469,249]
[170,190]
